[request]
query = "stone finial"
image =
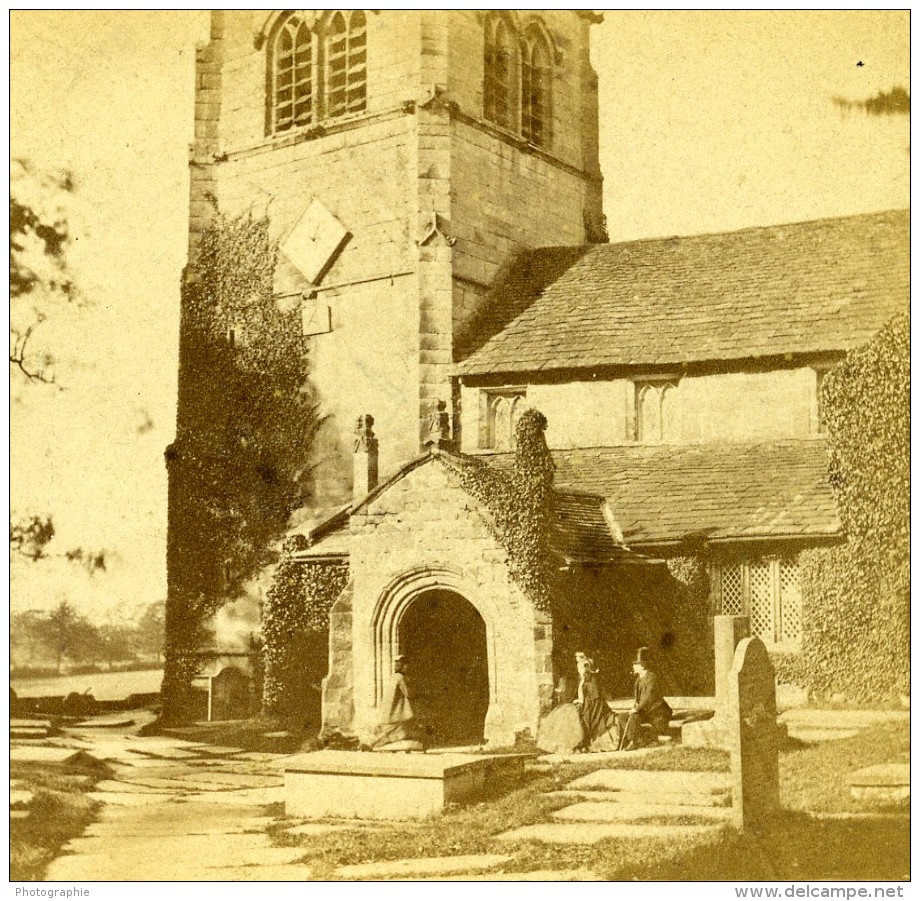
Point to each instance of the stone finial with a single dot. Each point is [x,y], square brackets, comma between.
[364,433]
[365,473]
[437,433]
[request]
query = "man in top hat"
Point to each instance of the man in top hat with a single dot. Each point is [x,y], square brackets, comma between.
[650,708]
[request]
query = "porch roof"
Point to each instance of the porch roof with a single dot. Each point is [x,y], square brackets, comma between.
[721,492]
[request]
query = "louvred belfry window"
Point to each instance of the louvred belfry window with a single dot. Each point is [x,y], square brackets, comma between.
[535,90]
[292,76]
[346,64]
[497,96]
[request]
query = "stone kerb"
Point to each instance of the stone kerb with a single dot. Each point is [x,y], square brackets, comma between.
[753,740]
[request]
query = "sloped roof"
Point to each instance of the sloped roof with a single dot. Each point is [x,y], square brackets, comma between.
[725,491]
[583,532]
[807,287]
[584,529]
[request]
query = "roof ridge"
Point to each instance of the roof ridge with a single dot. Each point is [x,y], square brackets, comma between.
[745,229]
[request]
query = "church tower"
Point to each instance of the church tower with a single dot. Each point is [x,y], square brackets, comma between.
[402,156]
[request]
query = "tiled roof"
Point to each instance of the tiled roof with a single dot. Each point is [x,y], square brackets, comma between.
[726,491]
[583,532]
[802,288]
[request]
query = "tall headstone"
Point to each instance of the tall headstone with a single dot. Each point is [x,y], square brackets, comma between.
[753,738]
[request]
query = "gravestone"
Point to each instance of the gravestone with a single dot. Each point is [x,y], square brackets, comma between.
[230,695]
[752,734]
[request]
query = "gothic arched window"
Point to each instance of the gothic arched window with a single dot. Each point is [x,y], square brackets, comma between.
[656,412]
[498,79]
[291,74]
[346,64]
[536,80]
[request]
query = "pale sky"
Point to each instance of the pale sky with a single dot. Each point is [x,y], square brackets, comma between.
[709,122]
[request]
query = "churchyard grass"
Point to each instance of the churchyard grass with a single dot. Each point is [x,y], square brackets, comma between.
[795,845]
[58,811]
[812,776]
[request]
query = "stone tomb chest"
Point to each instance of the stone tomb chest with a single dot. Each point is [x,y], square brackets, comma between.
[369,786]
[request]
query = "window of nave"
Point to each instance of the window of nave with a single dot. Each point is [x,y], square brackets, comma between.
[517,79]
[656,412]
[766,590]
[317,69]
[500,411]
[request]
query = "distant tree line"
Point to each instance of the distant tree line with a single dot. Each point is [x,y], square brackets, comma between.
[51,639]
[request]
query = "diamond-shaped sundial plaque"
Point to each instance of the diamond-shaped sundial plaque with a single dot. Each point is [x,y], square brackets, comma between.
[313,241]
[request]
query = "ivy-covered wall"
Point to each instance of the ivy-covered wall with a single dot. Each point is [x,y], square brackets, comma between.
[856,596]
[521,506]
[245,423]
[295,633]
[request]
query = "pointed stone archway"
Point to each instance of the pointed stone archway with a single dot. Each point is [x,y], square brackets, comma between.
[448,634]
[443,638]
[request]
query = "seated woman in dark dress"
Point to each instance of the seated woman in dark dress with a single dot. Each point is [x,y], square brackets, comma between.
[596,717]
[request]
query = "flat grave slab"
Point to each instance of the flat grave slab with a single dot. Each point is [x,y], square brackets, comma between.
[881,782]
[532,876]
[618,812]
[21,733]
[655,782]
[20,796]
[17,723]
[43,754]
[591,833]
[689,799]
[381,786]
[422,866]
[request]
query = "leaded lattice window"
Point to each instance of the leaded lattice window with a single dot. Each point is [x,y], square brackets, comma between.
[790,602]
[766,590]
[732,591]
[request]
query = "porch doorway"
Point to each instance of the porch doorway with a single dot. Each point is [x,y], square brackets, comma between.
[444,639]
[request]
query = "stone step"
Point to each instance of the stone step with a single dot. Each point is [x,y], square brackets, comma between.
[591,833]
[20,732]
[690,799]
[618,812]
[19,723]
[655,781]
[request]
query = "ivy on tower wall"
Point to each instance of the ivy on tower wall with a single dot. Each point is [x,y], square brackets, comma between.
[246,420]
[295,625]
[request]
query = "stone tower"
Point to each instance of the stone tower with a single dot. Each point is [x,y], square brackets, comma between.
[403,157]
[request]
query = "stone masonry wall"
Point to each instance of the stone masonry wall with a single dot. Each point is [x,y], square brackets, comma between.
[742,406]
[507,196]
[427,522]
[364,170]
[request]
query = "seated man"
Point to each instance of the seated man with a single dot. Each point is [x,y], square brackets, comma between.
[650,708]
